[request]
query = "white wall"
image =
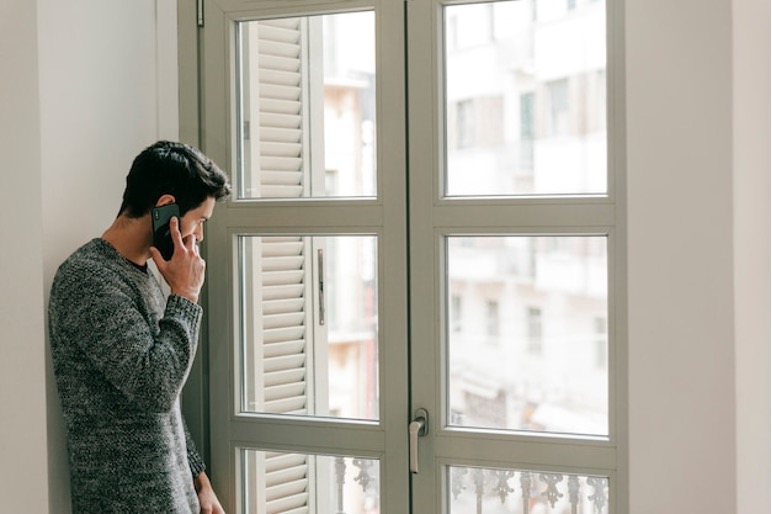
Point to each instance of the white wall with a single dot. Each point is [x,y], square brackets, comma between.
[699,319]
[22,344]
[751,100]
[683,194]
[93,83]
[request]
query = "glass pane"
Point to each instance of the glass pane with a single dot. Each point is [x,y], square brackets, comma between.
[274,482]
[511,491]
[527,338]
[525,98]
[309,317]
[306,107]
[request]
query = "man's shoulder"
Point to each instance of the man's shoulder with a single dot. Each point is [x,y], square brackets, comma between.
[91,265]
[89,257]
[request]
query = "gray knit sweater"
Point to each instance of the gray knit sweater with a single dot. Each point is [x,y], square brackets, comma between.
[121,354]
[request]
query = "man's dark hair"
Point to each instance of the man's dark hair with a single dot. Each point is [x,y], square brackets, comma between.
[172,168]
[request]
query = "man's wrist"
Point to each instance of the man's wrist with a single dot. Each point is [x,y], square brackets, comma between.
[201,481]
[188,295]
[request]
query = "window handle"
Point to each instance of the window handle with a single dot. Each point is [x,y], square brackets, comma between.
[320,264]
[417,427]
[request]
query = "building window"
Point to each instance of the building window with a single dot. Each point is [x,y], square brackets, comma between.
[558,120]
[534,330]
[492,320]
[455,313]
[601,342]
[465,123]
[526,116]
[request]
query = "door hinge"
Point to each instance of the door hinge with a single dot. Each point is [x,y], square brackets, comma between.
[200,12]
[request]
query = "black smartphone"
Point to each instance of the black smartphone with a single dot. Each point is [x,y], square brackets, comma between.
[162,235]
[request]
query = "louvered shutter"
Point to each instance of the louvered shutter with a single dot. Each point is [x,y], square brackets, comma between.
[280,272]
[273,114]
[286,483]
[284,332]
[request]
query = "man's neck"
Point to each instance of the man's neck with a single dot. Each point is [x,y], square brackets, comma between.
[131,238]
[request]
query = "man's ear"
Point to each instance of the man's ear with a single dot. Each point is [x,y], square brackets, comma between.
[165,200]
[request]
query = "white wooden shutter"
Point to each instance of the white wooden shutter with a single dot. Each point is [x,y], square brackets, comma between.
[273,116]
[284,278]
[281,274]
[286,483]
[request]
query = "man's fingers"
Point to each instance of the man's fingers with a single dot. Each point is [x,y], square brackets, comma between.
[174,228]
[157,257]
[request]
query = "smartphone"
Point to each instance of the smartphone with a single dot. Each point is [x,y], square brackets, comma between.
[162,235]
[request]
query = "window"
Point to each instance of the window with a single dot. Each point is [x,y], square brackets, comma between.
[526,116]
[492,320]
[284,99]
[601,342]
[465,123]
[494,256]
[534,329]
[558,120]
[456,313]
[305,310]
[525,109]
[540,371]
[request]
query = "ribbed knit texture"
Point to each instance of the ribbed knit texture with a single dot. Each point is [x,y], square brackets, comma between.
[121,354]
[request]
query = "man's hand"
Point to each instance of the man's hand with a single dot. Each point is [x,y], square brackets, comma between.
[184,272]
[206,497]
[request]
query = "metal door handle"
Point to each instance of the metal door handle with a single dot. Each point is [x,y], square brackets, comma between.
[417,427]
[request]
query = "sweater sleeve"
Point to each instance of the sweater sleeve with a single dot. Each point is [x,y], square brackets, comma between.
[147,364]
[195,461]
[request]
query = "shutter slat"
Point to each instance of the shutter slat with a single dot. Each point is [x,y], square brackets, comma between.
[279,135]
[282,149]
[281,460]
[289,48]
[282,249]
[284,377]
[285,504]
[280,164]
[284,362]
[276,335]
[284,391]
[286,489]
[288,262]
[277,119]
[287,474]
[280,107]
[281,239]
[284,23]
[281,178]
[284,348]
[279,63]
[277,460]
[283,277]
[282,291]
[283,320]
[270,30]
[288,405]
[277,77]
[283,306]
[280,92]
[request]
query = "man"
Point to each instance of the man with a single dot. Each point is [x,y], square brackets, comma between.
[122,351]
